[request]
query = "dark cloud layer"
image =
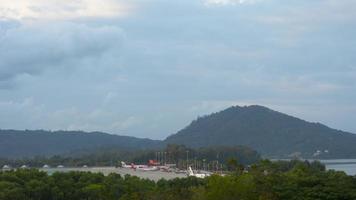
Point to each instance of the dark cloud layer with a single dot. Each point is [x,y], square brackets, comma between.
[34,48]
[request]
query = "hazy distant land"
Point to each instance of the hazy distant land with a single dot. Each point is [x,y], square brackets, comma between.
[271,133]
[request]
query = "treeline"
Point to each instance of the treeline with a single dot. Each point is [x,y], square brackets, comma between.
[172,154]
[266,180]
[205,156]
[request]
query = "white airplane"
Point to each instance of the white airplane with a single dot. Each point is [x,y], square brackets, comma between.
[124,165]
[148,168]
[164,168]
[198,175]
[139,167]
[24,167]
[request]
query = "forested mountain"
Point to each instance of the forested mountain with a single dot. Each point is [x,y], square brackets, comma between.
[30,143]
[272,133]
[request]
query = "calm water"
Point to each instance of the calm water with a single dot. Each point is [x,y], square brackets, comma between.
[346,165]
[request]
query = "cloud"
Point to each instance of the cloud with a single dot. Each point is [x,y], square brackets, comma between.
[69,118]
[153,71]
[13,111]
[62,10]
[230,2]
[34,48]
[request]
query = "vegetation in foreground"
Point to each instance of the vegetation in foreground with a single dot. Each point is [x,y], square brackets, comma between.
[265,181]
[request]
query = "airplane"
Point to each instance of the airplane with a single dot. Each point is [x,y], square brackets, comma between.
[132,166]
[159,166]
[123,165]
[198,175]
[164,168]
[139,167]
[148,168]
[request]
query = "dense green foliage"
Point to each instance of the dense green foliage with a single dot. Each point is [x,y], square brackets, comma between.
[17,144]
[271,133]
[36,185]
[267,180]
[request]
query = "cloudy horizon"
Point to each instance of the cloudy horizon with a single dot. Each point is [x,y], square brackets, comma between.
[146,68]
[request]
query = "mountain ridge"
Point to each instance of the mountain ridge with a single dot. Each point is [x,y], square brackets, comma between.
[272,133]
[28,143]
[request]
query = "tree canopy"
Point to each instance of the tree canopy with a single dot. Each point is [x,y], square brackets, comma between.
[266,180]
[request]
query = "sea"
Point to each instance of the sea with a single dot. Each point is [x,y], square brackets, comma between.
[346,165]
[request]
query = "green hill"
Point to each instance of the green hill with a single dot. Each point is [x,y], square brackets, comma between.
[45,143]
[272,133]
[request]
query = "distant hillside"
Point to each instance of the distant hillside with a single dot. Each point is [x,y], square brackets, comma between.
[30,143]
[272,133]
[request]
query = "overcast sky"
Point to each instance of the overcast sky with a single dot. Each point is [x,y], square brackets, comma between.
[146,68]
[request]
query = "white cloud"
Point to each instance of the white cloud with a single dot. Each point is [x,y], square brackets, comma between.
[62,9]
[110,96]
[126,123]
[25,111]
[33,115]
[230,2]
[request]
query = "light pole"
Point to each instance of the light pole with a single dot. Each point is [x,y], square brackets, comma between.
[195,163]
[165,158]
[161,155]
[187,158]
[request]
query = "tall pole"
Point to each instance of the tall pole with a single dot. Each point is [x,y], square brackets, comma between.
[187,158]
[165,158]
[161,156]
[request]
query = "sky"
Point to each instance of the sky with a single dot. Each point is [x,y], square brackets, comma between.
[147,68]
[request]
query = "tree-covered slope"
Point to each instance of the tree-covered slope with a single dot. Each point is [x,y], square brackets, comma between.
[32,143]
[269,132]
